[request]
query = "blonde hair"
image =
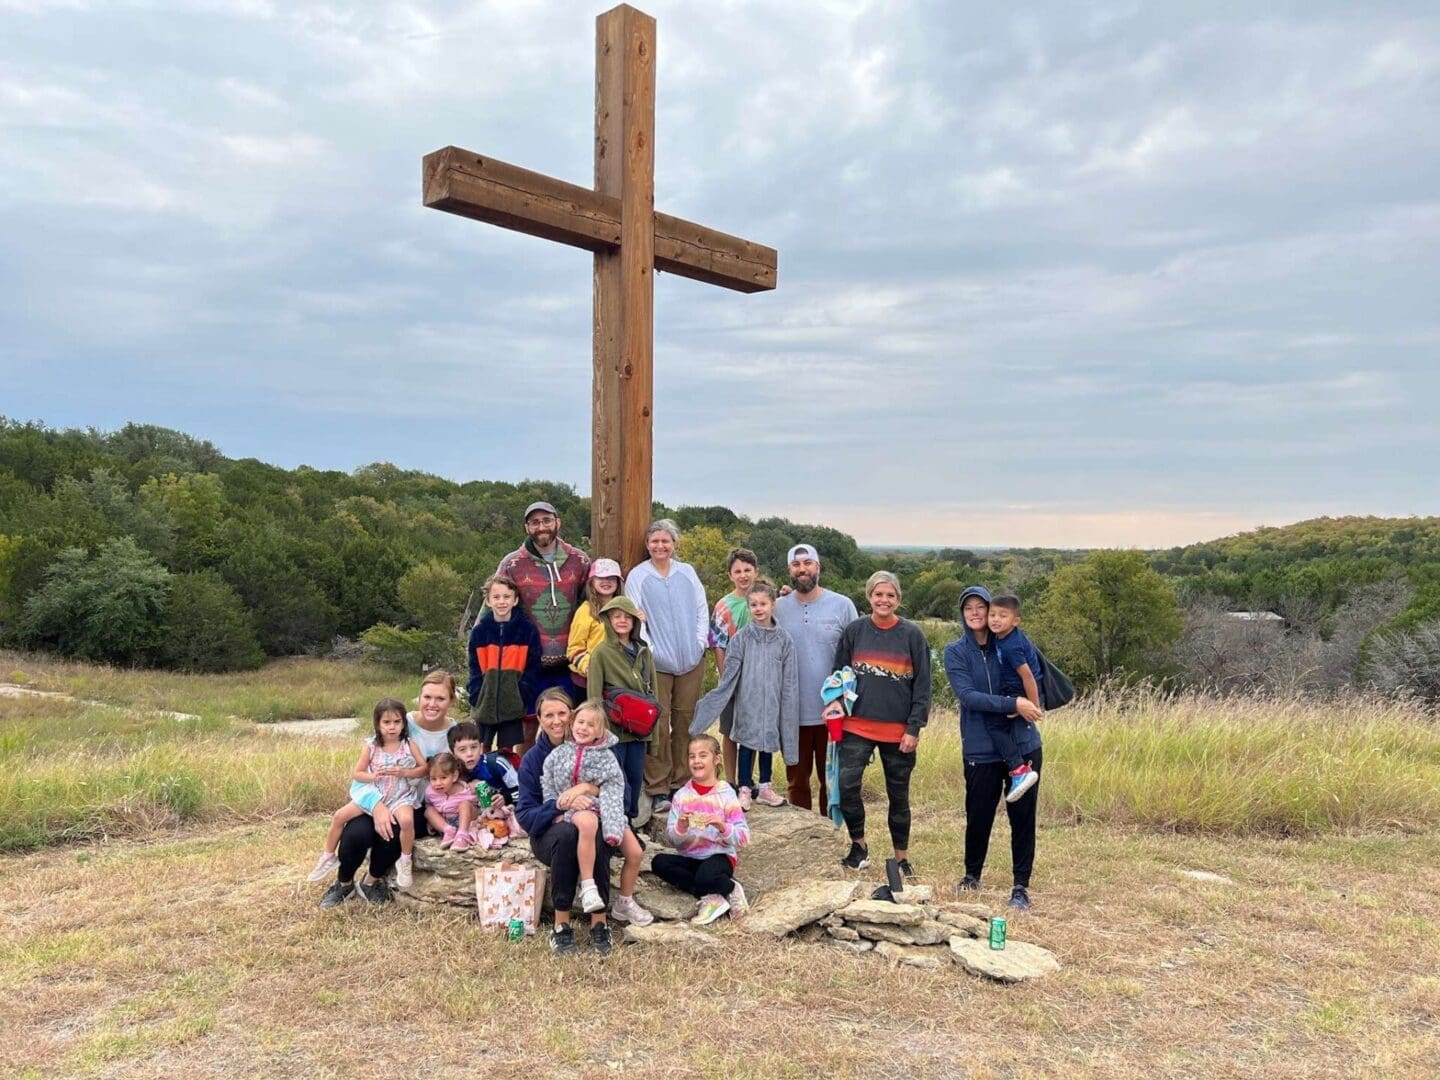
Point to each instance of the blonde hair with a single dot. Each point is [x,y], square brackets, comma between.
[440,677]
[599,711]
[555,693]
[882,577]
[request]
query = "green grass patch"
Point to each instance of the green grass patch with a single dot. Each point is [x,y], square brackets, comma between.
[290,689]
[71,771]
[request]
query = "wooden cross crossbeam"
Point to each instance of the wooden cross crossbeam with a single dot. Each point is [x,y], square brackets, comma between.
[462,182]
[615,220]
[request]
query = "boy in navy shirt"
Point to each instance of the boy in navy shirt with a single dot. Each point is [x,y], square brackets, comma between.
[1020,675]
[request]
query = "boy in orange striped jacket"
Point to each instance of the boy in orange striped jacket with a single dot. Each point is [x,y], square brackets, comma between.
[504,667]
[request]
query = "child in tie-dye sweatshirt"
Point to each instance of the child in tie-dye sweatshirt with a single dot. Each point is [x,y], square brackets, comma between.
[708,828]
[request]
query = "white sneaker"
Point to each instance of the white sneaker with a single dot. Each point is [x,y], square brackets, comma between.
[590,901]
[738,904]
[711,908]
[745,799]
[404,872]
[628,909]
[769,796]
[326,865]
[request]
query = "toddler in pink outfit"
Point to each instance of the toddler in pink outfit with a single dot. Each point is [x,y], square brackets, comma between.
[450,803]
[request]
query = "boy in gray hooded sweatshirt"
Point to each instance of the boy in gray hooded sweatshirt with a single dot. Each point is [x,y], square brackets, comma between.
[762,676]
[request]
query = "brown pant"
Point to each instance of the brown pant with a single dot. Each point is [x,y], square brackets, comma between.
[667,762]
[812,759]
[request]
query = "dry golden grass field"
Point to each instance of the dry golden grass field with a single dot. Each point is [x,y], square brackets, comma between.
[156,921]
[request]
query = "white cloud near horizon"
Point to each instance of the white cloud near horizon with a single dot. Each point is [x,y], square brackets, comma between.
[1134,273]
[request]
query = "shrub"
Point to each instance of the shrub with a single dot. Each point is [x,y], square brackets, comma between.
[109,607]
[414,650]
[433,595]
[207,627]
[1407,663]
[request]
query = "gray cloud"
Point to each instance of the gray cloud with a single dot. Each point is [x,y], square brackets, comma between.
[1112,271]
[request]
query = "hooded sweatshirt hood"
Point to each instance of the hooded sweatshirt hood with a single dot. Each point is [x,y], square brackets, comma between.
[620,603]
[974,590]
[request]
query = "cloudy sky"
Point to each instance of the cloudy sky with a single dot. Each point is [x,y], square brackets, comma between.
[1071,274]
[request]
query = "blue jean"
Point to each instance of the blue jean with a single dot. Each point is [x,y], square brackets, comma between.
[631,756]
[745,762]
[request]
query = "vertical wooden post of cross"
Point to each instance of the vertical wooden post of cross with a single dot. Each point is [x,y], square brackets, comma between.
[621,475]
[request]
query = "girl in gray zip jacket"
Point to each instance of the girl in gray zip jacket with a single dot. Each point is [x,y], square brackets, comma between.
[763,677]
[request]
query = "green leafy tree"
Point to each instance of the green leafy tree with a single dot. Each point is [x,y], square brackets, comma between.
[433,595]
[705,548]
[9,558]
[108,607]
[1110,614]
[206,627]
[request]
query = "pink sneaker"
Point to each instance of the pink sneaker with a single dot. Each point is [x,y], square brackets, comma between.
[463,841]
[448,836]
[744,799]
[769,796]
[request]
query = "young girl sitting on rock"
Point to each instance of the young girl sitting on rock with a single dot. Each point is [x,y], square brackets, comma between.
[450,804]
[707,828]
[586,758]
[393,763]
[762,678]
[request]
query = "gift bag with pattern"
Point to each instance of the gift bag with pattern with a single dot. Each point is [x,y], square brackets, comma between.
[508,891]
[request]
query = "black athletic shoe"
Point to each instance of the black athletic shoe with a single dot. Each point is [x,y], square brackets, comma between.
[969,883]
[600,940]
[1020,898]
[858,859]
[562,941]
[906,870]
[378,893]
[337,894]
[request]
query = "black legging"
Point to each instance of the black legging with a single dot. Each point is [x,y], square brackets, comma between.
[555,847]
[359,839]
[855,751]
[985,786]
[710,876]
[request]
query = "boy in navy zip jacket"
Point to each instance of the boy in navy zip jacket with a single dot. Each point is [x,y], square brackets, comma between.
[1019,674]
[504,668]
[973,667]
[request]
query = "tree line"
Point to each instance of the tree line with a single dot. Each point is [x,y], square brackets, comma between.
[149,546]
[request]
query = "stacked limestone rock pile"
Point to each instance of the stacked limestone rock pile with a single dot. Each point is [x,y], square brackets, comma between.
[786,845]
[915,931]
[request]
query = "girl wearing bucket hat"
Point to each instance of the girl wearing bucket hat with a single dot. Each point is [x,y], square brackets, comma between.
[972,664]
[587,629]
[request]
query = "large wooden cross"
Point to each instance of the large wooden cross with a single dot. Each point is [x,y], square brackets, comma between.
[617,221]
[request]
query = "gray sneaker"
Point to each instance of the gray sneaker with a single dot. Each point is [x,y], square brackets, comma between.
[378,893]
[337,894]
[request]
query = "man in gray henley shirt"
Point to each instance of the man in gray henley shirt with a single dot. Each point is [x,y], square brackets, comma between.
[814,618]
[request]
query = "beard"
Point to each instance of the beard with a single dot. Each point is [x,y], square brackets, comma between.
[804,583]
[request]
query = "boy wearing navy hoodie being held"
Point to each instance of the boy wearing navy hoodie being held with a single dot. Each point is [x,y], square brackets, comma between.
[1020,676]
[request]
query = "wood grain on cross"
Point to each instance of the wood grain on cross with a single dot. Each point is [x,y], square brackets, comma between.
[617,221]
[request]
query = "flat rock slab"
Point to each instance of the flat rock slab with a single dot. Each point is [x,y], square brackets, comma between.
[912,955]
[928,932]
[882,911]
[1208,876]
[966,924]
[1019,961]
[675,935]
[10,690]
[855,947]
[313,728]
[786,910]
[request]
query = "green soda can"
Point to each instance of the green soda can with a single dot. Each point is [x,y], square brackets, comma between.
[483,793]
[516,930]
[997,933]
